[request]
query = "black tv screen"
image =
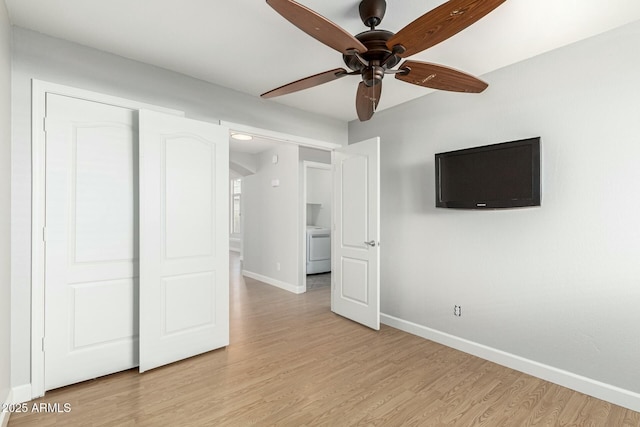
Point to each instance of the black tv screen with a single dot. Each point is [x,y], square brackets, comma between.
[505,175]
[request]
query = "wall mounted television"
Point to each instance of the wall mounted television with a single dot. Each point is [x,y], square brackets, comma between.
[505,175]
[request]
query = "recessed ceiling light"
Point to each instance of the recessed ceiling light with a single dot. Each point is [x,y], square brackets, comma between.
[241,137]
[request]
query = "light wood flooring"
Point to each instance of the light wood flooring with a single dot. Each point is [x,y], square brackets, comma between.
[315,281]
[292,362]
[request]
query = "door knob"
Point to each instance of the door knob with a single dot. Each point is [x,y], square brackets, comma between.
[370,243]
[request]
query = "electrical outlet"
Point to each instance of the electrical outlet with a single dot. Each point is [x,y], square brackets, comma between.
[277,266]
[457,310]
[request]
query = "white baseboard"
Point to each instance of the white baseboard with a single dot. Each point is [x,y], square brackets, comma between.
[22,393]
[274,282]
[4,416]
[600,390]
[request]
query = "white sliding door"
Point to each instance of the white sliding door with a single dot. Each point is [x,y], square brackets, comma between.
[184,238]
[95,233]
[91,245]
[356,252]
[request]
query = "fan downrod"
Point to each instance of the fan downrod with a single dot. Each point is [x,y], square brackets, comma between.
[372,12]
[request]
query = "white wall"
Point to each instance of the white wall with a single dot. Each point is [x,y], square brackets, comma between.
[5,205]
[271,219]
[45,58]
[560,284]
[242,164]
[319,195]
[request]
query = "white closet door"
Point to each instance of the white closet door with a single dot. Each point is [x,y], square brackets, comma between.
[184,238]
[91,274]
[356,253]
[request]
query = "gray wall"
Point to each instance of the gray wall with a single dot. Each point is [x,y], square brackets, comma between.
[45,58]
[557,284]
[315,155]
[319,197]
[5,203]
[271,216]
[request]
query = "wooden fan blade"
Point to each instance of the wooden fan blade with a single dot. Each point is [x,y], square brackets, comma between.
[367,100]
[317,26]
[307,82]
[441,23]
[436,76]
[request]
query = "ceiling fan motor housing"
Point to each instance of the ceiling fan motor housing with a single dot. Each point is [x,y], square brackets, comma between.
[378,56]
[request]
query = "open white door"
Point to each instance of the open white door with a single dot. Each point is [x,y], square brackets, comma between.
[356,252]
[184,238]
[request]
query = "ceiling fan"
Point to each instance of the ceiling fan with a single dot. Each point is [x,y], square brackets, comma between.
[374,53]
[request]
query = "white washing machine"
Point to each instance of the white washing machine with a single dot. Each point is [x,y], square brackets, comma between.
[318,249]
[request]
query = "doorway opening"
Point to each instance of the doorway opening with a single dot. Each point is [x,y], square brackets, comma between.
[274,213]
[318,220]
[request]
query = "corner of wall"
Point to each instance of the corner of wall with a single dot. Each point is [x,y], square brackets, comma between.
[21,394]
[5,208]
[16,396]
[4,416]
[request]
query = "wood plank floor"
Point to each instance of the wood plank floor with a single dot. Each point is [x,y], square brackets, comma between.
[292,362]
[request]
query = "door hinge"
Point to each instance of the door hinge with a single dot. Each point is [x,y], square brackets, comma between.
[43,344]
[44,234]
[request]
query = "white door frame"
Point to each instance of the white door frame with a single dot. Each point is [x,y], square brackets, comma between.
[38,110]
[306,165]
[280,136]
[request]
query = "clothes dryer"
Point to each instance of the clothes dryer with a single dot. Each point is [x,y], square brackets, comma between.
[318,250]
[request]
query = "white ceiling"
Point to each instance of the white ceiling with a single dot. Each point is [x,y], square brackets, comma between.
[254,146]
[245,45]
